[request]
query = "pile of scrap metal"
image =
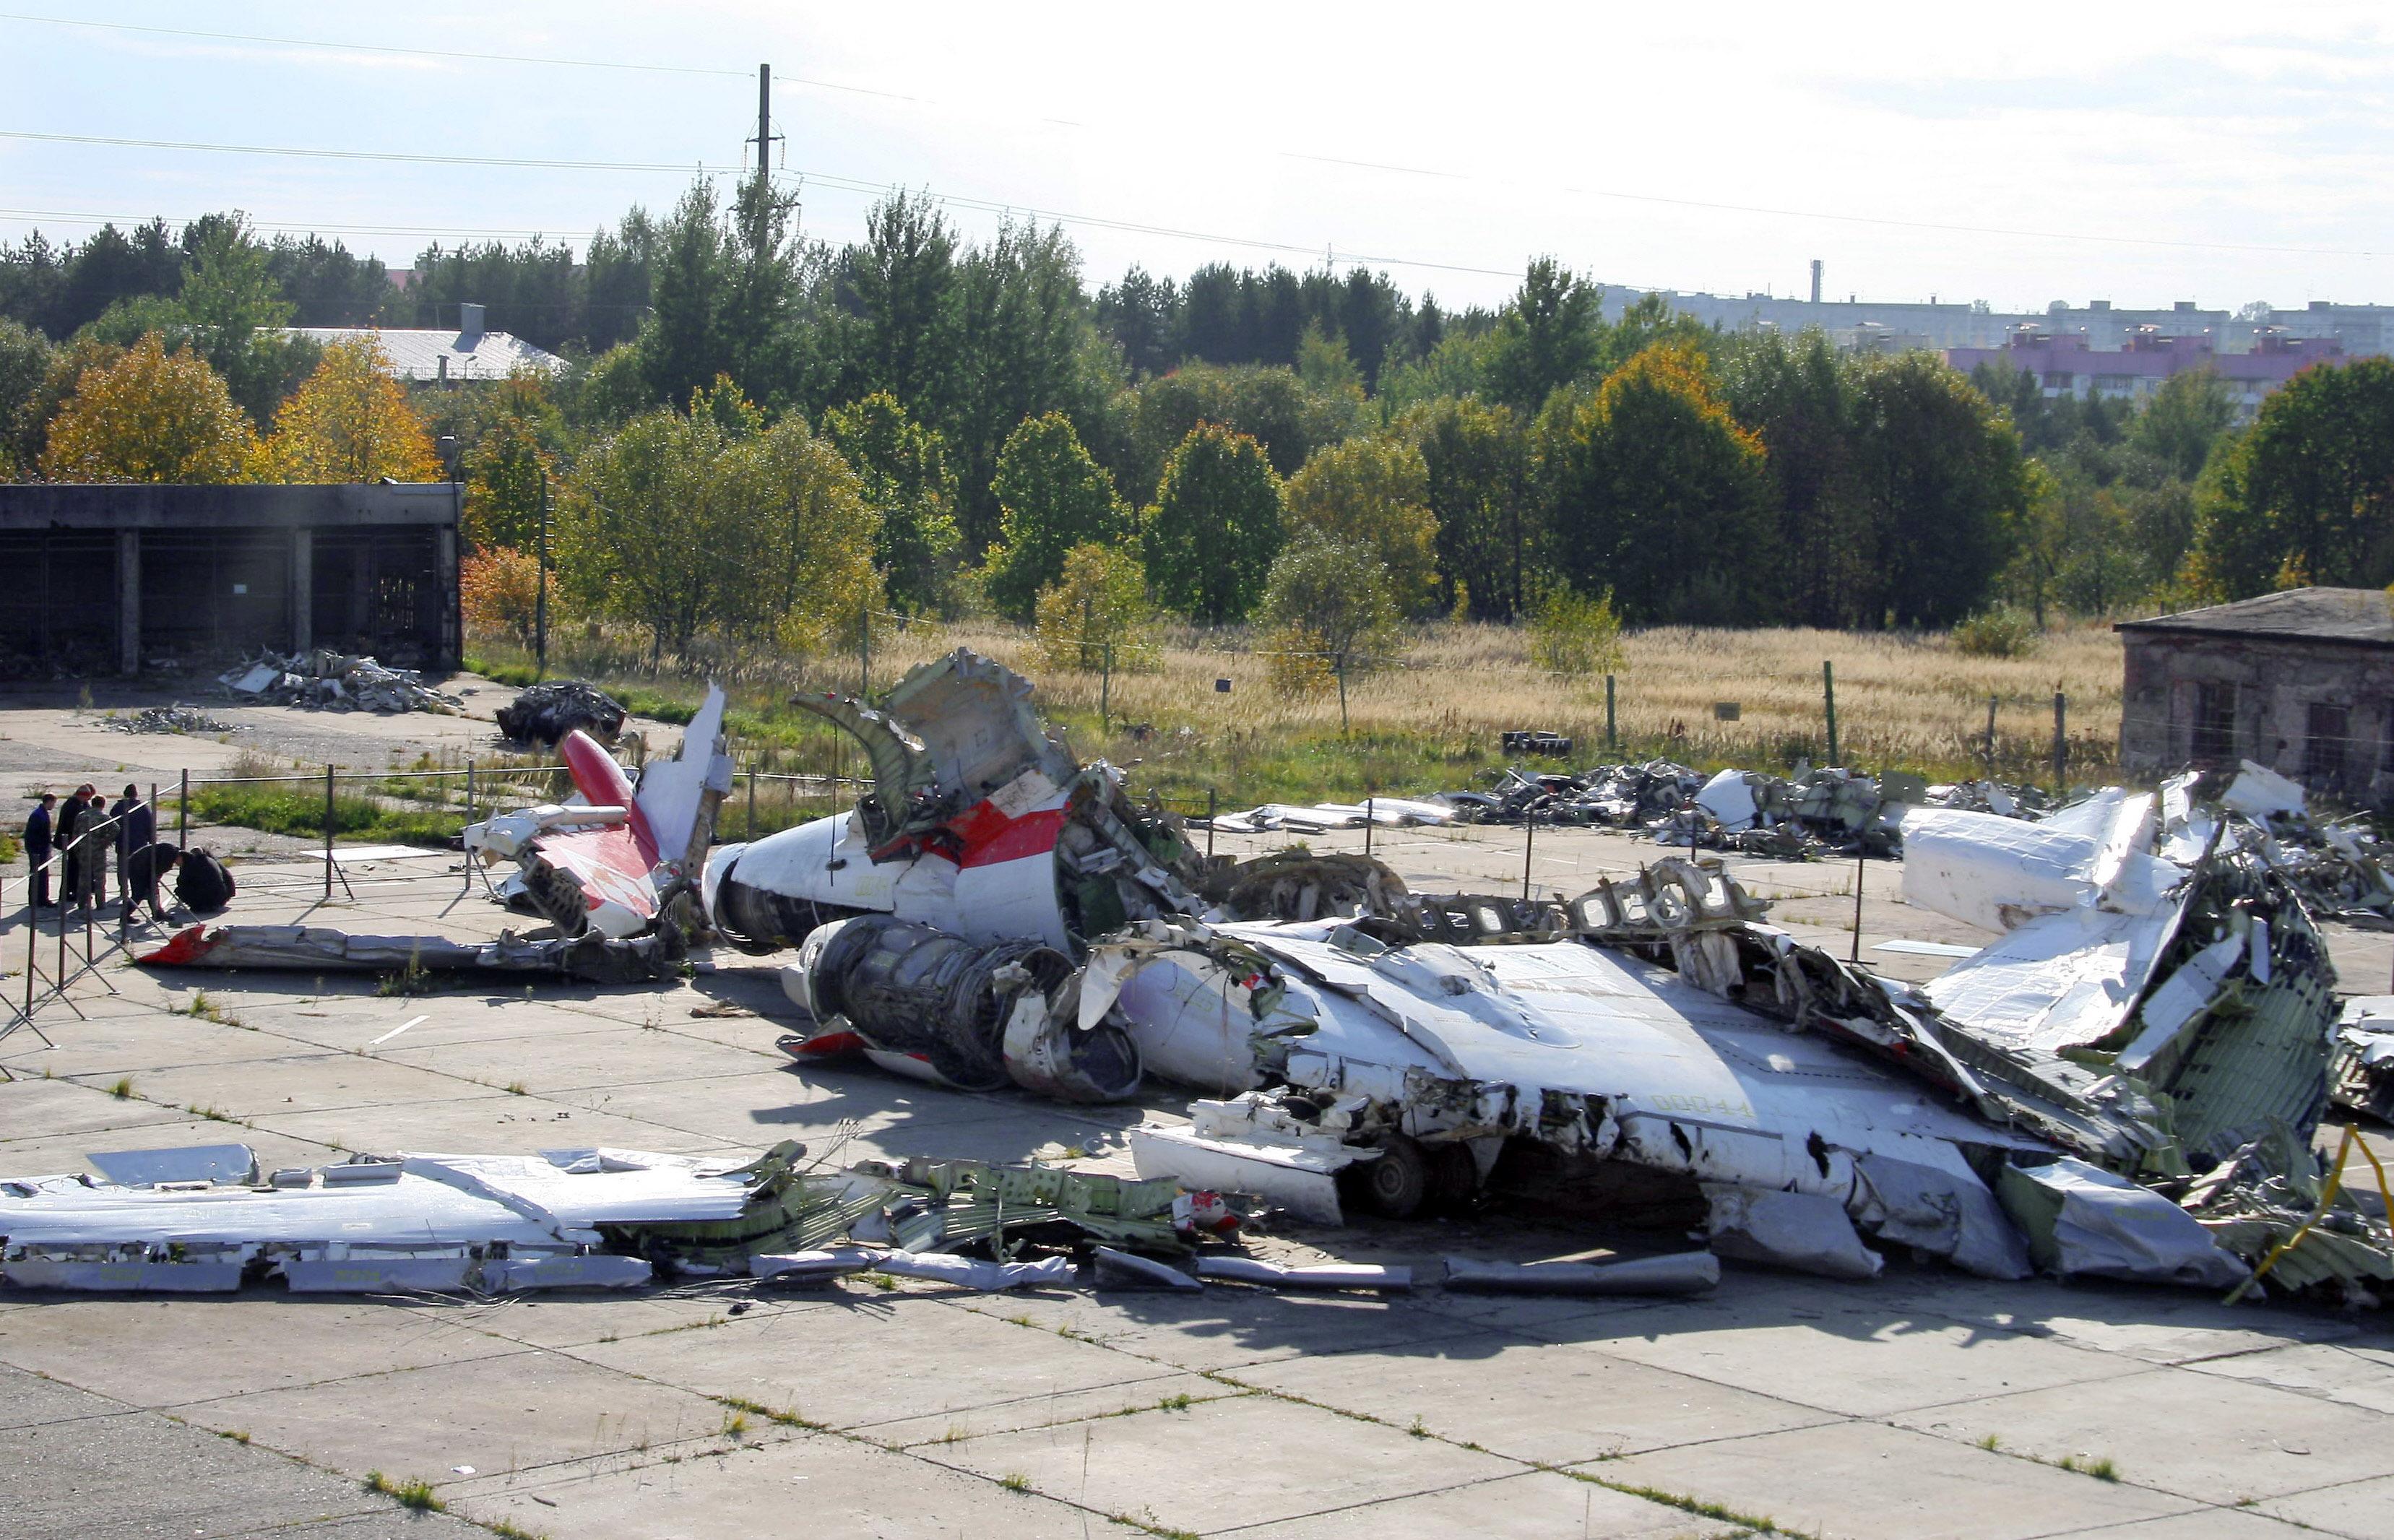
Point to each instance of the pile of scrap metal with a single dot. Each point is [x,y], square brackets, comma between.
[2157,1011]
[2124,1086]
[545,713]
[939,920]
[207,1219]
[177,718]
[324,679]
[1820,811]
[1386,812]
[613,871]
[2001,798]
[2344,869]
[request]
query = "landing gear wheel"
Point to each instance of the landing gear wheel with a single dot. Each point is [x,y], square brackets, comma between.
[1396,1184]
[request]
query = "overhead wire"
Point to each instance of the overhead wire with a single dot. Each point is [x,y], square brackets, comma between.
[828,180]
[1396,168]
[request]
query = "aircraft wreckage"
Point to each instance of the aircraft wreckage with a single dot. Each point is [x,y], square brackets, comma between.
[2125,1085]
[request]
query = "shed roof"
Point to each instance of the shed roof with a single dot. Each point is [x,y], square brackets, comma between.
[2350,616]
[417,354]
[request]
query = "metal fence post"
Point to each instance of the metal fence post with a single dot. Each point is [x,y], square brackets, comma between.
[1528,843]
[1368,822]
[2060,744]
[1828,701]
[752,801]
[1213,802]
[1611,738]
[1106,692]
[328,832]
[469,788]
[183,812]
[1861,852]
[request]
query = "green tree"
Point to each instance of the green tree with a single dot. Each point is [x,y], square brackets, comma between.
[1477,477]
[1025,345]
[507,474]
[2186,417]
[1052,497]
[902,467]
[1097,613]
[722,298]
[1655,492]
[710,524]
[1576,634]
[901,288]
[1455,365]
[1328,615]
[1268,404]
[1550,335]
[1937,476]
[1374,492]
[2306,495]
[24,360]
[1800,397]
[1216,527]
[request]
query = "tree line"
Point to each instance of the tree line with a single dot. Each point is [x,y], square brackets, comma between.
[758,431]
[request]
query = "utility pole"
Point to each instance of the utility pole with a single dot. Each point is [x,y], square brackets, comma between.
[764,156]
[540,600]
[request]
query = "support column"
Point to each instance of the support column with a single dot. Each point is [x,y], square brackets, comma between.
[128,601]
[451,643]
[303,589]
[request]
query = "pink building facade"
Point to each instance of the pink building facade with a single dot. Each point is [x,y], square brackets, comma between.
[2067,367]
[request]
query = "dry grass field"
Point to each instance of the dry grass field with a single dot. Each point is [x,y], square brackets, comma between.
[1910,702]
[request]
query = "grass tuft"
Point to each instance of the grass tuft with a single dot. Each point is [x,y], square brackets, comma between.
[1015,1481]
[122,1089]
[415,1496]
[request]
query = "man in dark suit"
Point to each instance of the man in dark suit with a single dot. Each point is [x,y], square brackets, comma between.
[38,847]
[136,828]
[71,813]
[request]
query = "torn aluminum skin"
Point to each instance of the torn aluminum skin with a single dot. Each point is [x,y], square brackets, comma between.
[609,861]
[979,824]
[443,1223]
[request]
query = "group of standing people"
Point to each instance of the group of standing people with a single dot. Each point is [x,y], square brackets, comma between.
[82,832]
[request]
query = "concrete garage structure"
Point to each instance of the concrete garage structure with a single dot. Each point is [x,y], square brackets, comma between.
[2302,681]
[99,579]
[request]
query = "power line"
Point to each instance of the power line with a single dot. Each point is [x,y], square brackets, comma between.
[439,53]
[1660,200]
[847,184]
[288,227]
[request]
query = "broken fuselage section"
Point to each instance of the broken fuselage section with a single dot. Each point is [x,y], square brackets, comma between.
[940,920]
[611,858]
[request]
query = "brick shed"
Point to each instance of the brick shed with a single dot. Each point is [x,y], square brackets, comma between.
[2302,681]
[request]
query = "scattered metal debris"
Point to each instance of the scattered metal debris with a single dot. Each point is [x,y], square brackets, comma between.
[177,718]
[599,959]
[2344,869]
[545,713]
[1684,1274]
[324,679]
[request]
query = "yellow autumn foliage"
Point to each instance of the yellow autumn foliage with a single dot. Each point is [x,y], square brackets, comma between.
[349,421]
[151,416]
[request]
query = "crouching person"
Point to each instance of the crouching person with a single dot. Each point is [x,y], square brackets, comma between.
[146,871]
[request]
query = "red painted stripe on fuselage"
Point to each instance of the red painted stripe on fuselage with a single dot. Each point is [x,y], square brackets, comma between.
[995,837]
[603,783]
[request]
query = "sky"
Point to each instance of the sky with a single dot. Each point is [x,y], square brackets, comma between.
[2018,154]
